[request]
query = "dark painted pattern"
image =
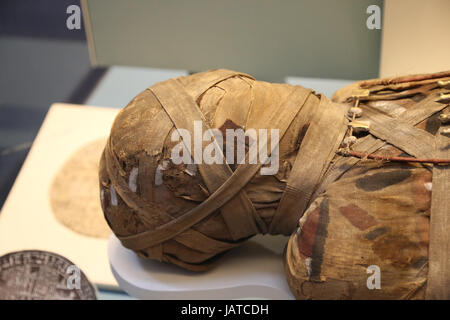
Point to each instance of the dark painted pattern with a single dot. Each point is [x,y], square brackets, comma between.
[358,217]
[372,235]
[307,234]
[319,240]
[382,180]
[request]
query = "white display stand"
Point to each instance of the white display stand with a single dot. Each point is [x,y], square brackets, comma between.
[27,221]
[254,270]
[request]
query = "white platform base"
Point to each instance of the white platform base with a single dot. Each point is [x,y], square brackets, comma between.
[27,221]
[254,270]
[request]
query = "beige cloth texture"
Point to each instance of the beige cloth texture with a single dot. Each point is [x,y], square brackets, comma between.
[74,193]
[379,213]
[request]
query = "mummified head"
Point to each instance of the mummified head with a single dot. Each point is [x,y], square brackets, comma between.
[193,166]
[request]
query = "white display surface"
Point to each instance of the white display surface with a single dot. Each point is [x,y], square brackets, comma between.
[253,270]
[27,221]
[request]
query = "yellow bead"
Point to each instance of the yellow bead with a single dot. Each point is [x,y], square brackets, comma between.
[355,111]
[360,93]
[444,97]
[444,118]
[348,141]
[360,126]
